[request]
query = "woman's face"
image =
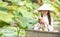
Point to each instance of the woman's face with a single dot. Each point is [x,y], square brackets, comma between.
[44,12]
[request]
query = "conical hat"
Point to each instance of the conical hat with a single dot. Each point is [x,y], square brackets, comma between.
[45,7]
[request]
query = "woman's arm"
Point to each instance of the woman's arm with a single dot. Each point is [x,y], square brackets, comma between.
[50,27]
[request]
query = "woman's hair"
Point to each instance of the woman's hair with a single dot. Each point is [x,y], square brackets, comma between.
[49,17]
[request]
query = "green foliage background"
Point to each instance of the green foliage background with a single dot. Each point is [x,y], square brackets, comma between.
[23,11]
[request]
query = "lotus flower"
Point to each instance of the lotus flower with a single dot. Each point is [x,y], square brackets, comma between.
[15,24]
[42,21]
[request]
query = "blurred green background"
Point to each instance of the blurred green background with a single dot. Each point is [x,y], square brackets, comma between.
[22,14]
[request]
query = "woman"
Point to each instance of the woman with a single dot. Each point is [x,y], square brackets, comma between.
[45,19]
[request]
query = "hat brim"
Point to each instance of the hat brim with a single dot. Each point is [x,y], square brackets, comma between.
[45,7]
[44,10]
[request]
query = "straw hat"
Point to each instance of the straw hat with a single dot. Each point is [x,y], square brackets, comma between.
[45,7]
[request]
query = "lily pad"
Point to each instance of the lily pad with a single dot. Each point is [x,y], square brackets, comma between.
[5,17]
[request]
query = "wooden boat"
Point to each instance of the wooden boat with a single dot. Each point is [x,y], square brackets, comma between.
[37,33]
